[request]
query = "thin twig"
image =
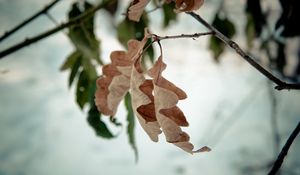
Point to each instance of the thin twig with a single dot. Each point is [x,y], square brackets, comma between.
[27,21]
[284,151]
[280,84]
[71,22]
[195,35]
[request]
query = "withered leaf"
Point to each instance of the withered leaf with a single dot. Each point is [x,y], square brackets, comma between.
[136,9]
[115,82]
[169,116]
[143,102]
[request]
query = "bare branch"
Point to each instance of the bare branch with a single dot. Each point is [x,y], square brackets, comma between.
[284,151]
[280,84]
[27,21]
[71,22]
[195,35]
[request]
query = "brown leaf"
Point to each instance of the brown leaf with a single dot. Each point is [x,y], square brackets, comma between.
[136,9]
[143,100]
[113,85]
[169,116]
[115,82]
[143,103]
[188,5]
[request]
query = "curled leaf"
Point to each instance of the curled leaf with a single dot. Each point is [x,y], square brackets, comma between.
[115,82]
[143,102]
[169,116]
[136,9]
[188,5]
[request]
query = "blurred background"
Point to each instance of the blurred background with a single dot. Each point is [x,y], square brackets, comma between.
[231,107]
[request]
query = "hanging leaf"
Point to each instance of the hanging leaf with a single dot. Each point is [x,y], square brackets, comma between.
[115,82]
[100,128]
[70,61]
[131,125]
[143,102]
[74,71]
[168,114]
[136,9]
[82,90]
[82,35]
[89,68]
[169,14]
[126,31]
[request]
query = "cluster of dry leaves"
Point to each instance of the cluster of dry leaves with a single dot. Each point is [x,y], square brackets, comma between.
[154,101]
[137,7]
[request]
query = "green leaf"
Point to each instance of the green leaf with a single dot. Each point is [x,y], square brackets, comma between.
[169,14]
[82,35]
[140,26]
[92,91]
[82,90]
[89,68]
[250,30]
[217,47]
[100,128]
[150,51]
[225,26]
[74,71]
[70,61]
[125,31]
[130,126]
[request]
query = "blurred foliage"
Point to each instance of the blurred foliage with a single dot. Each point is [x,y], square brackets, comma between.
[289,18]
[131,124]
[169,14]
[225,26]
[82,64]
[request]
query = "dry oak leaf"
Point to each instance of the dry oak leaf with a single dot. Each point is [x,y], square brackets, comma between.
[143,102]
[188,5]
[136,9]
[168,115]
[113,85]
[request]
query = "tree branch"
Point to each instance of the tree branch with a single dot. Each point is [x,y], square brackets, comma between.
[284,151]
[195,35]
[43,11]
[71,22]
[280,84]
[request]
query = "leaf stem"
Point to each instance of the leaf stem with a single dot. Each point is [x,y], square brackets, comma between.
[280,84]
